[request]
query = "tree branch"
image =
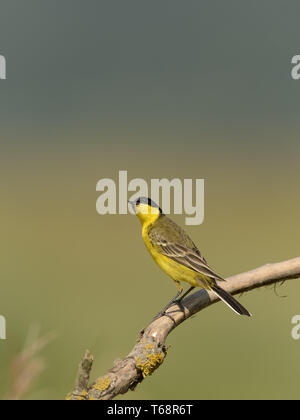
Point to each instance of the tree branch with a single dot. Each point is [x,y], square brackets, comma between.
[150,350]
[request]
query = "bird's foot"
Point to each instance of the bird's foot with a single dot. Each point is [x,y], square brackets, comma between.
[168,314]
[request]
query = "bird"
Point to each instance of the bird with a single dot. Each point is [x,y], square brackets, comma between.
[177,255]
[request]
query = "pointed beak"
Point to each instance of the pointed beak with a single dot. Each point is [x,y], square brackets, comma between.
[133,207]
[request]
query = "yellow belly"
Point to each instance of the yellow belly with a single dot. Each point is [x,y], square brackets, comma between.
[176,271]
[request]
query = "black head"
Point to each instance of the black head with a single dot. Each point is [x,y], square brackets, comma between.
[145,200]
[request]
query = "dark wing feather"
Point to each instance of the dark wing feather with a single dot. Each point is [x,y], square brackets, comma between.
[180,249]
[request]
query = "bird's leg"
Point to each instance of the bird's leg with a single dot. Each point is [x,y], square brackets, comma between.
[185,294]
[179,302]
[174,300]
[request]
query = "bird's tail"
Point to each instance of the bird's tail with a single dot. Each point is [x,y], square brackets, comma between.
[230,300]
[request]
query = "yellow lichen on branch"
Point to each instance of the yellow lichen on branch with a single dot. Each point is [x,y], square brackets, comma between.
[102,384]
[152,362]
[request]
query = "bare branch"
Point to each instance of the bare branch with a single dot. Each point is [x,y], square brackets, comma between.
[150,350]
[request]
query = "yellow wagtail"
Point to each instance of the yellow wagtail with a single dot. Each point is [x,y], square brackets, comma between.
[177,255]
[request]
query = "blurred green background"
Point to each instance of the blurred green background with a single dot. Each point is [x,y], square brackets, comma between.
[161,89]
